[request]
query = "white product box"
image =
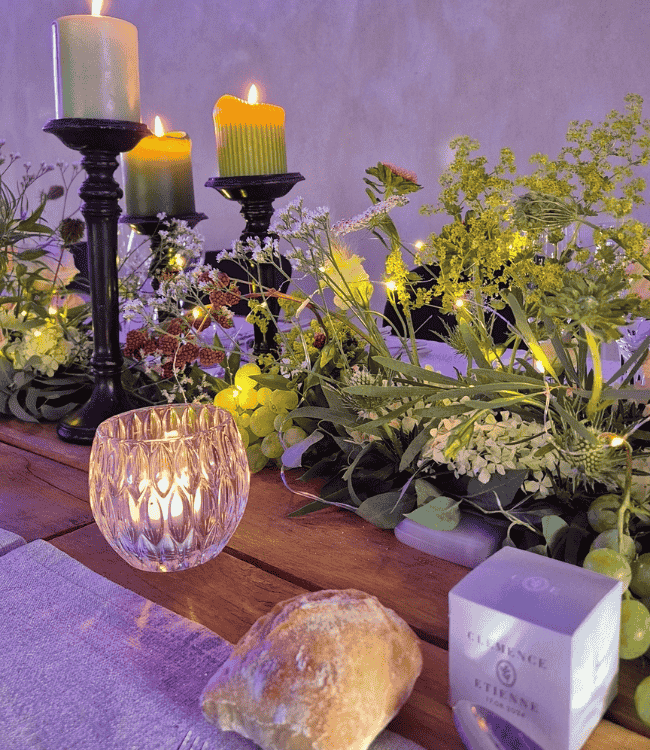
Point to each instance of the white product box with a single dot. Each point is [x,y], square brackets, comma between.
[535,640]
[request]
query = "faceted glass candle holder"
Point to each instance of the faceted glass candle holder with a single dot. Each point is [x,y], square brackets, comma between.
[168,484]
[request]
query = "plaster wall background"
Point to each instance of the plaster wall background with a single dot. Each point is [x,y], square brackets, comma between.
[361,81]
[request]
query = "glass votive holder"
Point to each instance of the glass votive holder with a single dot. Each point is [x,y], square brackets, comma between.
[168,484]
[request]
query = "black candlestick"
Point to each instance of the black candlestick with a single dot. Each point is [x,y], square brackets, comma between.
[100,141]
[151,226]
[256,194]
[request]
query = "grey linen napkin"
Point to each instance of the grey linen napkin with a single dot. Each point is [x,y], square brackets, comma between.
[9,541]
[86,664]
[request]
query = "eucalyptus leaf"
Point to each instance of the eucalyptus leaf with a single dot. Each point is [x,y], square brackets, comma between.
[292,457]
[441,514]
[551,527]
[53,414]
[387,509]
[17,410]
[500,491]
[6,373]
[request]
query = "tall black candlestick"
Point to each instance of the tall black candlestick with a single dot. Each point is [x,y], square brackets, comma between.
[100,141]
[256,194]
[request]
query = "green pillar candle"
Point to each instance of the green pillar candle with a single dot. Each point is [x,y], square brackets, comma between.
[250,136]
[96,72]
[157,175]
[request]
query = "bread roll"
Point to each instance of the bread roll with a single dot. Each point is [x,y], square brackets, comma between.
[322,671]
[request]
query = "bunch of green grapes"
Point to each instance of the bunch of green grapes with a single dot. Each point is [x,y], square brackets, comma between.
[261,415]
[624,563]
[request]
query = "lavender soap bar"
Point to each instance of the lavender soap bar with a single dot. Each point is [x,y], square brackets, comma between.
[535,640]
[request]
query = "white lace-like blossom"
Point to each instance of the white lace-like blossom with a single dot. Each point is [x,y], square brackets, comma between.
[496,446]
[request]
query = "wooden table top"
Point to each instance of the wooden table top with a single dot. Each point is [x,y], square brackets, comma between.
[44,494]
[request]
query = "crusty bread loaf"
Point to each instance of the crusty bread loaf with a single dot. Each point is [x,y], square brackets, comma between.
[322,671]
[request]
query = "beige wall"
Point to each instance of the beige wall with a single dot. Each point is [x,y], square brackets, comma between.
[360,80]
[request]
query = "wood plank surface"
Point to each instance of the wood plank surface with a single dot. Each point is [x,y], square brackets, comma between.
[42,439]
[40,498]
[336,549]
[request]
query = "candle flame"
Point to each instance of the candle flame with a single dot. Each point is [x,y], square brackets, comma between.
[97,7]
[252,94]
[158,127]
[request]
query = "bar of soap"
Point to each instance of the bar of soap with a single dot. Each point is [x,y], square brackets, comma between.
[469,544]
[326,670]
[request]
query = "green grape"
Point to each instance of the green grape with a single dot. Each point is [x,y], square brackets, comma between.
[609,539]
[245,436]
[284,400]
[226,399]
[256,459]
[642,700]
[247,399]
[640,584]
[602,513]
[245,419]
[282,422]
[635,629]
[242,379]
[261,423]
[293,435]
[609,563]
[271,446]
[263,395]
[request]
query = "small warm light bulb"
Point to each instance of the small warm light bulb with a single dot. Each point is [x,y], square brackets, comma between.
[483,724]
[391,286]
[460,303]
[37,333]
[51,310]
[539,365]
[616,441]
[158,127]
[179,261]
[252,94]
[418,245]
[196,312]
[97,7]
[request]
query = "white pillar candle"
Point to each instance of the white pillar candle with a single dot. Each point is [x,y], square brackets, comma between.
[96,68]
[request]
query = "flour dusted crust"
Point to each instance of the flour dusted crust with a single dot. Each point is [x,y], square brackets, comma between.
[322,671]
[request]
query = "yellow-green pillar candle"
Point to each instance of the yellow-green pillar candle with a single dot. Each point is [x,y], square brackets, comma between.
[250,136]
[96,72]
[157,175]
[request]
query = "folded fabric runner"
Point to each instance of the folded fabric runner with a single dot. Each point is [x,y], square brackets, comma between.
[88,664]
[9,541]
